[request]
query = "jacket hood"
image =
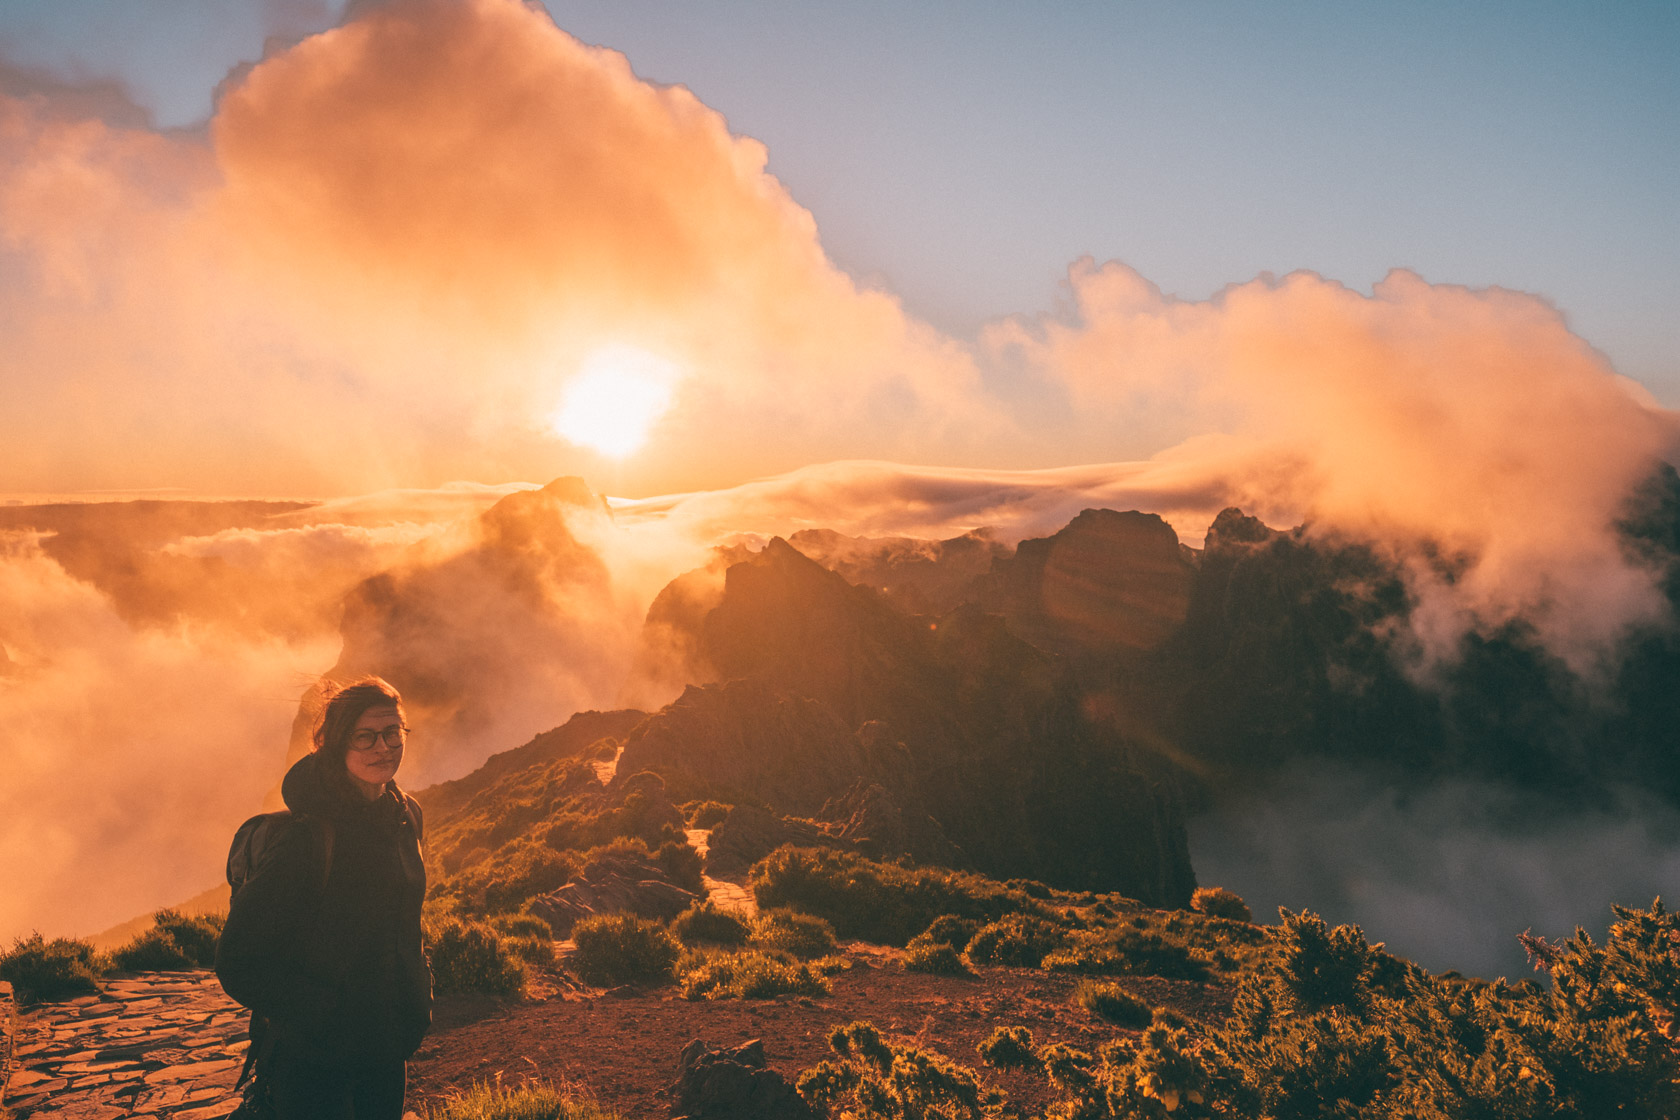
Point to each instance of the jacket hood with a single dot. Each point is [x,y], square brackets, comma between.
[306,790]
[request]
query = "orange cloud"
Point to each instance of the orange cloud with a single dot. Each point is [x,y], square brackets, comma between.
[1472,420]
[401,239]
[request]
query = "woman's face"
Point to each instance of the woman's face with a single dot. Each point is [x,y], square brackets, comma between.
[370,769]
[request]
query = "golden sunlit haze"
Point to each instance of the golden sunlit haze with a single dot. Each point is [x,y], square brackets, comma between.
[618,395]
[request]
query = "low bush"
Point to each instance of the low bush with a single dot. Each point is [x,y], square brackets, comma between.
[1112,1002]
[522,925]
[1008,1048]
[705,922]
[41,971]
[705,814]
[951,930]
[516,873]
[1126,951]
[871,1079]
[1019,940]
[788,931]
[938,957]
[879,902]
[753,974]
[494,1101]
[468,956]
[175,941]
[683,864]
[614,949]
[1217,902]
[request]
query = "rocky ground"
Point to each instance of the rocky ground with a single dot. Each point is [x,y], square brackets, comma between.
[623,1048]
[151,1045]
[171,1044]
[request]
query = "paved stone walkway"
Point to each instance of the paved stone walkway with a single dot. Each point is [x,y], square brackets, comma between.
[153,1044]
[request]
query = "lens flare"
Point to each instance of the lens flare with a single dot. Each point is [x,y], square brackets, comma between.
[619,393]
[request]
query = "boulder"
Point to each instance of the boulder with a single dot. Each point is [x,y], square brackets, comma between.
[733,1084]
[610,885]
[749,833]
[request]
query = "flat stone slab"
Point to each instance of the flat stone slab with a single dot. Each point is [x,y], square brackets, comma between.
[152,1044]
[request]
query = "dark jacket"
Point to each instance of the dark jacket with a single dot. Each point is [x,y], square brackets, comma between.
[335,965]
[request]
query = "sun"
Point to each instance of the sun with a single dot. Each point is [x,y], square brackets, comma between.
[619,393]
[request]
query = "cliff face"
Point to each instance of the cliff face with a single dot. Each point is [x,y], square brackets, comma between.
[1000,748]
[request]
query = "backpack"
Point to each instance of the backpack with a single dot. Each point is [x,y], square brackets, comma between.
[251,844]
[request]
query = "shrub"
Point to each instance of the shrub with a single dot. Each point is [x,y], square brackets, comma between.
[1019,940]
[511,876]
[1114,1003]
[705,814]
[535,951]
[753,974]
[493,1101]
[1127,952]
[1217,902]
[1008,1048]
[803,935]
[951,930]
[471,957]
[705,922]
[614,949]
[938,957]
[522,925]
[870,1079]
[174,942]
[683,864]
[40,970]
[880,902]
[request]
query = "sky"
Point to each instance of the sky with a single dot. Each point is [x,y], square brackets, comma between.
[962,156]
[1530,145]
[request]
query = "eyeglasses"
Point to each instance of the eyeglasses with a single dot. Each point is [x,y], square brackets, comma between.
[391,738]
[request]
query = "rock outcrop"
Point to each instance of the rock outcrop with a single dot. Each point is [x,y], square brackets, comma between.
[999,748]
[612,885]
[733,1084]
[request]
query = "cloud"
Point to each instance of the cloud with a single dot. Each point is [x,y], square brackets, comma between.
[398,242]
[1446,875]
[130,752]
[1469,421]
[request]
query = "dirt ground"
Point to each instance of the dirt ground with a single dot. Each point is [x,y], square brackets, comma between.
[623,1048]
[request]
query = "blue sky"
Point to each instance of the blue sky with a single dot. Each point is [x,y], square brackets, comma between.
[961,155]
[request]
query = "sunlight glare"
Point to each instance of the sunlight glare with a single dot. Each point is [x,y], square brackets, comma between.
[615,399]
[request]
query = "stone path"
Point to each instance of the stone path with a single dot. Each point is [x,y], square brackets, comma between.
[154,1044]
[724,894]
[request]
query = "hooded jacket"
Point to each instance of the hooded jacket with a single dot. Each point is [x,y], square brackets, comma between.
[334,962]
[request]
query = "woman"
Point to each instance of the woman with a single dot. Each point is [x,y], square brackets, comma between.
[323,940]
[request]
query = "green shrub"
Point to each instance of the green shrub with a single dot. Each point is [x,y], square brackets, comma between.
[509,877]
[705,814]
[1008,1048]
[871,1079]
[683,864]
[753,974]
[469,956]
[1019,940]
[1112,1002]
[879,902]
[788,931]
[937,957]
[41,971]
[493,1101]
[951,930]
[521,925]
[705,922]
[174,942]
[614,949]
[538,952]
[1217,902]
[1126,951]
